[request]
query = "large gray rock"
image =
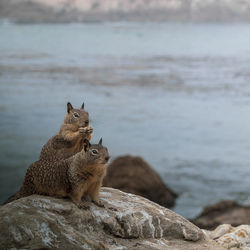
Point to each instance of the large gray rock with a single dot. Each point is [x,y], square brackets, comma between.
[126,222]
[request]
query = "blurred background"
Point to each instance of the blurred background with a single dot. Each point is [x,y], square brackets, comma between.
[168,80]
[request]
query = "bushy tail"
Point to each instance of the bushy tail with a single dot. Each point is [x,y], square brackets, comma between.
[14,197]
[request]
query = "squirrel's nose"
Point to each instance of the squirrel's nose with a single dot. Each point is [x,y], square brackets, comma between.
[107,158]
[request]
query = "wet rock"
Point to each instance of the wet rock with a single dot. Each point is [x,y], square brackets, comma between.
[133,175]
[224,212]
[126,222]
[231,237]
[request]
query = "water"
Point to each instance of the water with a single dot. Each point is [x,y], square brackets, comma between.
[176,94]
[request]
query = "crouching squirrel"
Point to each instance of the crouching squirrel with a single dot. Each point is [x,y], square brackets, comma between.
[69,140]
[76,177]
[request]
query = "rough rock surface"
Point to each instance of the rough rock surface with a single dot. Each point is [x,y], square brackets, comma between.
[126,222]
[133,175]
[231,237]
[224,212]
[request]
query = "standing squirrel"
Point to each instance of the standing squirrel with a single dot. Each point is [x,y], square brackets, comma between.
[69,140]
[75,177]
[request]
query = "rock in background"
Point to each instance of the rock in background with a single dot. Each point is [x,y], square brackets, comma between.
[224,212]
[133,175]
[33,11]
[127,222]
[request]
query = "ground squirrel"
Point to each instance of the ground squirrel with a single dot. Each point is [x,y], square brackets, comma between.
[79,176]
[69,140]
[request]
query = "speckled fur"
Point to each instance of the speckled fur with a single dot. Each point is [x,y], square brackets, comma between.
[69,140]
[75,177]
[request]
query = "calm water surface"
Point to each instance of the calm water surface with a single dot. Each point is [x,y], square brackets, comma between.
[176,94]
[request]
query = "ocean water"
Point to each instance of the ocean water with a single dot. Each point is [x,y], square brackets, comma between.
[176,94]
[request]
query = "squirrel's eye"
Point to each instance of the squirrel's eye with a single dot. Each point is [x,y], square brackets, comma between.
[86,122]
[94,151]
[76,115]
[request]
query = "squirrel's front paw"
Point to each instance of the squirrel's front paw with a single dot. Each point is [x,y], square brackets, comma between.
[86,198]
[89,130]
[85,130]
[81,205]
[98,203]
[82,130]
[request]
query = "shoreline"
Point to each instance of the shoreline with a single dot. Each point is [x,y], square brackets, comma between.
[115,11]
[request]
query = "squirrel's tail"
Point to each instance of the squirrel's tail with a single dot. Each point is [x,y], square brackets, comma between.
[14,197]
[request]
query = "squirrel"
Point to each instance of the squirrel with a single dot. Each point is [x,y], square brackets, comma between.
[69,140]
[76,177]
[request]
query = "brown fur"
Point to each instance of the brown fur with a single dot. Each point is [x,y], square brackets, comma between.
[69,140]
[75,177]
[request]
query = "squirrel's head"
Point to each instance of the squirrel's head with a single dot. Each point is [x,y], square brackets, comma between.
[77,117]
[95,153]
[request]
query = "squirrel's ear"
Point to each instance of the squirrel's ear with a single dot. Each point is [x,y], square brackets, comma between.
[82,107]
[86,145]
[100,142]
[69,107]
